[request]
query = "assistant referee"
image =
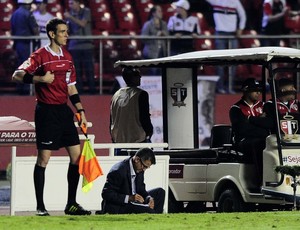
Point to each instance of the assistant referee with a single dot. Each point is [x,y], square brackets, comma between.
[52,71]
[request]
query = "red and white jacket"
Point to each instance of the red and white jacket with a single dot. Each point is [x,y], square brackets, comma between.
[43,60]
[229,15]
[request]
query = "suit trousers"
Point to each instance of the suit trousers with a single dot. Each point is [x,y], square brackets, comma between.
[158,195]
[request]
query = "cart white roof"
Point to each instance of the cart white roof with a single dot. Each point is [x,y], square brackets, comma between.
[259,55]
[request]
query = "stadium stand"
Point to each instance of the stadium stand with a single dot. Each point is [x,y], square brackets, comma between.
[131,48]
[55,8]
[249,42]
[6,10]
[102,16]
[126,17]
[143,8]
[168,11]
[7,64]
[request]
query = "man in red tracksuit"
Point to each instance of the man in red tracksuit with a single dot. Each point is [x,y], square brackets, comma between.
[249,125]
[286,101]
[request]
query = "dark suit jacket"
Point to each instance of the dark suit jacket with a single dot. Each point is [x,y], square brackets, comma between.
[118,185]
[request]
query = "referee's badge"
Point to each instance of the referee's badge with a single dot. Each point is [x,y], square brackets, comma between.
[68,76]
[26,63]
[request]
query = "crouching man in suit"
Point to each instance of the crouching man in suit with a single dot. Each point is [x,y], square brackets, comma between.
[124,191]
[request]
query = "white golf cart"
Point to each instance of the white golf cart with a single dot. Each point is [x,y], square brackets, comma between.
[220,174]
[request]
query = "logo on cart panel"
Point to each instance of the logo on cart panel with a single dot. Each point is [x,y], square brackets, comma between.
[178,93]
[176,171]
[289,126]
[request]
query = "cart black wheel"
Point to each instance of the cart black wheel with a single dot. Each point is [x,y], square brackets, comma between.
[174,206]
[231,201]
[195,207]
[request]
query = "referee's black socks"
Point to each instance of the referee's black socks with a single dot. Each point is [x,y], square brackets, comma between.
[39,182]
[73,179]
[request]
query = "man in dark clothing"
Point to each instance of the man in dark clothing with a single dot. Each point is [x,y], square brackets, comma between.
[274,12]
[129,112]
[80,24]
[124,191]
[286,102]
[249,124]
[23,23]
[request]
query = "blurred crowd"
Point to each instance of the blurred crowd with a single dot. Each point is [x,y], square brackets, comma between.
[182,18]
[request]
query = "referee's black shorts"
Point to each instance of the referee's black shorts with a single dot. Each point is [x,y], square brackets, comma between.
[55,127]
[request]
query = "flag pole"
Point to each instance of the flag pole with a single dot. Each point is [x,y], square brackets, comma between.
[89,166]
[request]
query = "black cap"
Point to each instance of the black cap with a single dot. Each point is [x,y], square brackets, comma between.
[284,82]
[251,84]
[281,83]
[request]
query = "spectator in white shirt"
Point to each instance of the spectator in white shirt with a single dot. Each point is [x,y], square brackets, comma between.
[183,24]
[230,19]
[42,17]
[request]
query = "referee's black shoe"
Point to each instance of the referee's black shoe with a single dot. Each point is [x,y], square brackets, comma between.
[42,212]
[99,212]
[76,209]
